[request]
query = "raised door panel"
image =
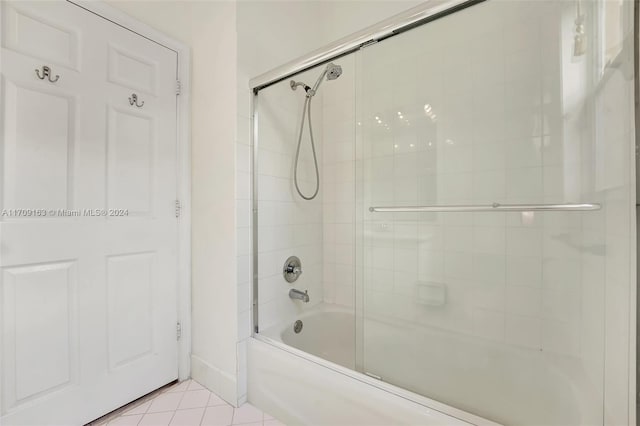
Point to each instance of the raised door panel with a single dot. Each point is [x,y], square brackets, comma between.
[37,35]
[147,69]
[130,279]
[38,148]
[130,161]
[40,330]
[132,70]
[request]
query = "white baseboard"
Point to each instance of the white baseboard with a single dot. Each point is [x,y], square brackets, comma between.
[217,381]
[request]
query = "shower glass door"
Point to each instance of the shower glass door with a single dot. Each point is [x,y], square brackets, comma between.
[509,315]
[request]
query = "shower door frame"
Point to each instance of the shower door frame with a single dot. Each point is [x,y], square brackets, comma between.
[398,24]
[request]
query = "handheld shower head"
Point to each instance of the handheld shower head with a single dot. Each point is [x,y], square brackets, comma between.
[333,71]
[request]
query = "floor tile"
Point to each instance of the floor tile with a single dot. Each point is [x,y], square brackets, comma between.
[216,400]
[247,414]
[195,399]
[165,402]
[126,420]
[140,409]
[189,404]
[193,385]
[191,417]
[156,419]
[180,387]
[218,416]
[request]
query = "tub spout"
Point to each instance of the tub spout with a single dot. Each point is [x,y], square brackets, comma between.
[297,294]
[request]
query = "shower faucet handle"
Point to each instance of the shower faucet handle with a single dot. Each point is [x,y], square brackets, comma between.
[292,269]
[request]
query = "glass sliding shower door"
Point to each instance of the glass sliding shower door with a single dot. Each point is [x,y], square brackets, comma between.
[511,128]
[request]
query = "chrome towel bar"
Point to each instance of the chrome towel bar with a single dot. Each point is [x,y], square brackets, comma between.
[495,207]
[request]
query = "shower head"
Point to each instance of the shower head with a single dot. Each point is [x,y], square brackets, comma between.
[333,71]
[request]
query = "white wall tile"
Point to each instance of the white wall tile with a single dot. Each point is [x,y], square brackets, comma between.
[523,300]
[524,242]
[525,271]
[489,240]
[489,324]
[524,331]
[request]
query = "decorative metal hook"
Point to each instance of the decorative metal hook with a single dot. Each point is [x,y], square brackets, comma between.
[133,100]
[46,72]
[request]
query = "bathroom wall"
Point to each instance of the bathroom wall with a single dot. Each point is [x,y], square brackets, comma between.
[269,34]
[341,18]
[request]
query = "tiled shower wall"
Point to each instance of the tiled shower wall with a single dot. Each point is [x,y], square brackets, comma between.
[287,224]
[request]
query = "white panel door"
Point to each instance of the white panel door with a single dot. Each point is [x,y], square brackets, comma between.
[88,233]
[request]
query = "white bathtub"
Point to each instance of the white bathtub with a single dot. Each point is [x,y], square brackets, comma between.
[328,332]
[308,379]
[296,375]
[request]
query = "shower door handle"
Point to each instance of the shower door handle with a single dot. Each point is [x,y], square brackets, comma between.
[495,207]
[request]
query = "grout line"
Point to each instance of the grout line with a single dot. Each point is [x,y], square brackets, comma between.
[147,410]
[163,391]
[179,402]
[120,412]
[233,415]
[170,411]
[204,411]
[174,413]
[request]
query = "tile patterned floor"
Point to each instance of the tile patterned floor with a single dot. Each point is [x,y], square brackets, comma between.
[189,404]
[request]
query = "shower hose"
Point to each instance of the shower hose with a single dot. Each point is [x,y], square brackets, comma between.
[306,109]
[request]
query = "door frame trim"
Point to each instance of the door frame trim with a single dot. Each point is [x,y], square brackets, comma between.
[183,148]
